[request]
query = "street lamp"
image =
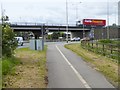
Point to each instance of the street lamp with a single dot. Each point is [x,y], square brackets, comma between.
[119,13]
[77,10]
[66,21]
[107,19]
[3,16]
[116,13]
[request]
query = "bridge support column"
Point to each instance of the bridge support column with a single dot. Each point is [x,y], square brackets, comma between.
[37,34]
[86,33]
[76,34]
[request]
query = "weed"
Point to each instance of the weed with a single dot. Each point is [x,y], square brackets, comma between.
[8,64]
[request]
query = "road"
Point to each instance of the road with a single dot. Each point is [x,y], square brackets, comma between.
[24,45]
[46,43]
[67,70]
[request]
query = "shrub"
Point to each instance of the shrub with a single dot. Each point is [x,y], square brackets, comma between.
[9,43]
[105,41]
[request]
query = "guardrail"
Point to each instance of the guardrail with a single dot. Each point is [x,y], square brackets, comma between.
[109,50]
[31,23]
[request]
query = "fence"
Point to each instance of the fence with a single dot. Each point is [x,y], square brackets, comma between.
[109,50]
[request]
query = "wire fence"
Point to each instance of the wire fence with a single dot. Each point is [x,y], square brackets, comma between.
[109,50]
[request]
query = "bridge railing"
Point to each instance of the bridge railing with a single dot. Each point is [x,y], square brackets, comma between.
[32,23]
[25,23]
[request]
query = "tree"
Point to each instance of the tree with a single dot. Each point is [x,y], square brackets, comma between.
[55,35]
[9,43]
[62,34]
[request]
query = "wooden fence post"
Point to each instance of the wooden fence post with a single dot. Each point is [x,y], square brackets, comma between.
[111,49]
[97,47]
[103,49]
[92,44]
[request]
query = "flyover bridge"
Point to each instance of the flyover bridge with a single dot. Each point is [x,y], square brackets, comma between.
[38,28]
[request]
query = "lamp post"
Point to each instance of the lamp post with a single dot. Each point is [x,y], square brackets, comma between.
[107,19]
[116,14]
[76,7]
[66,21]
[119,13]
[2,14]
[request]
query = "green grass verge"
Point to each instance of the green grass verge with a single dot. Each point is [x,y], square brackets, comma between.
[98,62]
[109,51]
[108,41]
[8,64]
[27,59]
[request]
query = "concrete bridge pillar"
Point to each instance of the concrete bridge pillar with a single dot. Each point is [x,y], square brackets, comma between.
[77,34]
[37,34]
[87,33]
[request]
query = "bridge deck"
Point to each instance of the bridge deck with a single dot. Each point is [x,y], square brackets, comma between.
[28,27]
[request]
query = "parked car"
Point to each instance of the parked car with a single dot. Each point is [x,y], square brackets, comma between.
[85,39]
[19,40]
[75,39]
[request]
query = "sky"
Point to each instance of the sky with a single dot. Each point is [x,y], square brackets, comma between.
[54,11]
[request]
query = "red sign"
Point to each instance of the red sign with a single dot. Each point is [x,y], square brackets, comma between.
[94,22]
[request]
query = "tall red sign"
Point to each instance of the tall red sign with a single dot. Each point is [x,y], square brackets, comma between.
[94,22]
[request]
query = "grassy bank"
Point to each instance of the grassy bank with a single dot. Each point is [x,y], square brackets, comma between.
[98,62]
[8,67]
[30,72]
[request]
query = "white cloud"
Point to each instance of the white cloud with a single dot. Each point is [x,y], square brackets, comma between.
[54,11]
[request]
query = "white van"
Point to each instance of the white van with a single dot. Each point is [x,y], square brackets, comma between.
[19,40]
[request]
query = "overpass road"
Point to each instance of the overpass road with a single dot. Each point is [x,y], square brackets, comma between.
[67,70]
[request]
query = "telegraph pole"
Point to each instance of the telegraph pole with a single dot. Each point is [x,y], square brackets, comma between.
[2,14]
[77,3]
[66,21]
[108,19]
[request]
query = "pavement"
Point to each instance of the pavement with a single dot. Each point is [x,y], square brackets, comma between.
[68,70]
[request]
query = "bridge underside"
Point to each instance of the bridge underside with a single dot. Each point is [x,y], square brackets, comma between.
[40,30]
[76,31]
[38,33]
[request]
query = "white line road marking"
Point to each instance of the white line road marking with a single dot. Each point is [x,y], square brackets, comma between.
[76,72]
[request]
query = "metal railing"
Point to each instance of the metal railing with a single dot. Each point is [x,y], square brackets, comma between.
[32,23]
